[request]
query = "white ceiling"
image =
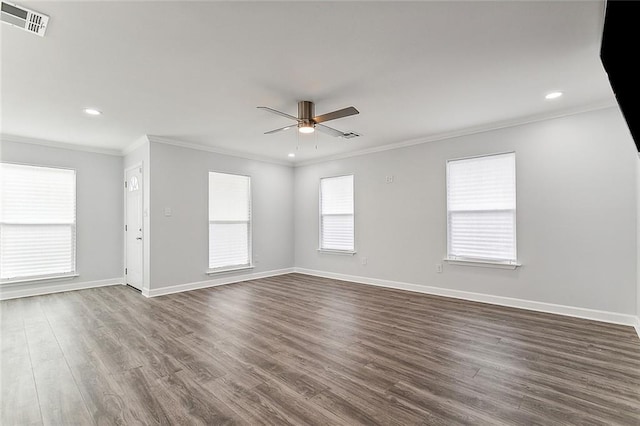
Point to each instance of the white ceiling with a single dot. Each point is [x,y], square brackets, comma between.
[195,72]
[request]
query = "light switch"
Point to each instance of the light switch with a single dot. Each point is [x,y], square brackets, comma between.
[167,211]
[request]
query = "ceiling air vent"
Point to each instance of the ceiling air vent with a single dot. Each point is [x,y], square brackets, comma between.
[350,135]
[24,18]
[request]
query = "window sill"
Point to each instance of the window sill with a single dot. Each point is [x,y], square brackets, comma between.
[27,280]
[231,269]
[338,252]
[482,263]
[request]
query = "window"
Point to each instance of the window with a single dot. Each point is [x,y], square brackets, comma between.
[37,222]
[229,221]
[481,208]
[336,214]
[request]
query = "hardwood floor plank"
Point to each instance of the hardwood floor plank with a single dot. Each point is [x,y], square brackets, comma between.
[355,400]
[102,395]
[60,400]
[42,342]
[250,407]
[296,349]
[143,398]
[18,395]
[438,404]
[293,406]
[349,411]
[559,413]
[20,404]
[11,315]
[187,402]
[578,399]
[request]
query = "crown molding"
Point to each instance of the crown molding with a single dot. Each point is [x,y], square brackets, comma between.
[464,132]
[59,145]
[134,145]
[199,147]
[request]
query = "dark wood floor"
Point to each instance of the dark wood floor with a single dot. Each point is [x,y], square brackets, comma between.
[302,350]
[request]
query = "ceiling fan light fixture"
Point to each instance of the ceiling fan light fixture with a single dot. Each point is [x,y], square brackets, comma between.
[307,120]
[306,128]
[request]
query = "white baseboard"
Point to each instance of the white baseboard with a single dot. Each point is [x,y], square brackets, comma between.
[214,282]
[571,311]
[27,290]
[637,326]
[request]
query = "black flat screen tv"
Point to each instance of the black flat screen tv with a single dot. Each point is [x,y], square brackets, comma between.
[620,55]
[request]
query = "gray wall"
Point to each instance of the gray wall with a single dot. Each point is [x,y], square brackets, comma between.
[577,204]
[576,221]
[179,243]
[99,206]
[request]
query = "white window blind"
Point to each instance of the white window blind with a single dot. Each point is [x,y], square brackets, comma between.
[37,222]
[336,213]
[229,221]
[481,208]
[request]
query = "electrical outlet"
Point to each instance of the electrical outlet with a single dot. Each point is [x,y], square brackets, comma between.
[389,179]
[364,260]
[439,268]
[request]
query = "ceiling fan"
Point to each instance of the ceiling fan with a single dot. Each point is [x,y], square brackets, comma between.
[308,121]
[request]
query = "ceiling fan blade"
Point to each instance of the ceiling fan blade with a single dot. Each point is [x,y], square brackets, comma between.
[329,130]
[344,112]
[275,111]
[282,129]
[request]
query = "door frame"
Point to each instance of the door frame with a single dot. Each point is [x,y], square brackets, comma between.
[139,165]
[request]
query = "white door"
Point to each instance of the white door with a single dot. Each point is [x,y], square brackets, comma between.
[133,227]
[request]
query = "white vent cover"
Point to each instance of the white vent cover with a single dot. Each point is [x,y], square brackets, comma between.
[24,18]
[350,135]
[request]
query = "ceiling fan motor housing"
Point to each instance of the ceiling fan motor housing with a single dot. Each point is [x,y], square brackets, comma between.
[306,112]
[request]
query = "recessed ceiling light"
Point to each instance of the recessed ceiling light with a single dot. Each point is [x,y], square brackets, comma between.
[92,111]
[291,155]
[553,95]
